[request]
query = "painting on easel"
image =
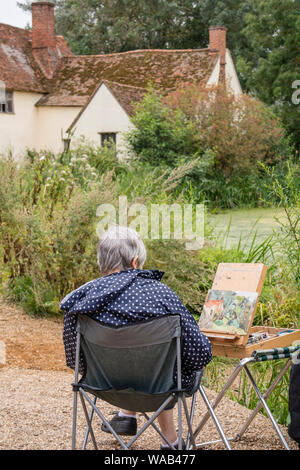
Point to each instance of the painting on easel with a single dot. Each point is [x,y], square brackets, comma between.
[228,311]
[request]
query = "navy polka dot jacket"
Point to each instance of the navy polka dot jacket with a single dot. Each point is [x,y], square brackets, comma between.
[127,297]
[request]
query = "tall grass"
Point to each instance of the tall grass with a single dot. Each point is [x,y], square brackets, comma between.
[48,240]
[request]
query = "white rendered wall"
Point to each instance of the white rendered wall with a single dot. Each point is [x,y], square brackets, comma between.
[53,122]
[214,78]
[18,131]
[232,80]
[103,114]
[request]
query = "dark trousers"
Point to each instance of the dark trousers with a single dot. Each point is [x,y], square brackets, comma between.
[294,403]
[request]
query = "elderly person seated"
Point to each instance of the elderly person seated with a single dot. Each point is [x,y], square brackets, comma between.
[127,294]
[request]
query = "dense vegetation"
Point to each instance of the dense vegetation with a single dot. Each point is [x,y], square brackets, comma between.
[230,139]
[48,238]
[263,36]
[193,147]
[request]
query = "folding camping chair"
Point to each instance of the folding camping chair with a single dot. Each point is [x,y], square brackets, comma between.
[132,367]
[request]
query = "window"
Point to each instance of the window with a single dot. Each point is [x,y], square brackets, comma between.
[6,105]
[108,137]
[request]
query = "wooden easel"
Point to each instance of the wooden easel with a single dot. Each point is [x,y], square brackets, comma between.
[247,277]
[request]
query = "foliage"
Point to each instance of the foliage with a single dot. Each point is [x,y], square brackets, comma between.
[224,137]
[161,137]
[286,194]
[48,222]
[241,130]
[96,26]
[271,65]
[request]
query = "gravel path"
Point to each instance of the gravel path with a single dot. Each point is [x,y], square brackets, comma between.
[36,413]
[36,399]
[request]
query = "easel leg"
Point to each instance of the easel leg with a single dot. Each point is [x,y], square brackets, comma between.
[222,393]
[264,404]
[220,430]
[266,395]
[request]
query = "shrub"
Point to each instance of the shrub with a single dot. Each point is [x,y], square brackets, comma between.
[285,192]
[241,130]
[48,224]
[161,136]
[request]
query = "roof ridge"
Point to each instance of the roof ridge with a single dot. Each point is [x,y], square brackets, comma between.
[124,85]
[144,50]
[15,27]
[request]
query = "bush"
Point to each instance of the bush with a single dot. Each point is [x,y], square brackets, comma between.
[161,136]
[48,225]
[240,130]
[285,192]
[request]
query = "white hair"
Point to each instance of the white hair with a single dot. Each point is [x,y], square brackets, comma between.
[117,247]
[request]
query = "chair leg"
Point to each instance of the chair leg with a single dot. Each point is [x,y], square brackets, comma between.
[74,426]
[104,420]
[88,422]
[87,432]
[158,431]
[191,418]
[214,417]
[150,421]
[179,423]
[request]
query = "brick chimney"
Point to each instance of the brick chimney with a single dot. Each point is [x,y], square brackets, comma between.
[44,44]
[43,25]
[217,40]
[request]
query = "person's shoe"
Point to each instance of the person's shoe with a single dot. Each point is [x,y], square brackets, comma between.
[123,426]
[175,447]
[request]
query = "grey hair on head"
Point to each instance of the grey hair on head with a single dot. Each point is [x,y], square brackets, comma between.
[117,247]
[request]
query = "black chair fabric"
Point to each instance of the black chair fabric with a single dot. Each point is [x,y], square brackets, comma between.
[131,367]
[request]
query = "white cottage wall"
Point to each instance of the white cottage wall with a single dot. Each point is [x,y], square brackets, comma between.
[53,122]
[103,114]
[18,130]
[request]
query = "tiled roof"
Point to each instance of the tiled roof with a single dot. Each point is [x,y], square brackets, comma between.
[19,69]
[78,77]
[126,95]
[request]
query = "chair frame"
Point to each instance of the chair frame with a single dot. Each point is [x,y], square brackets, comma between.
[179,394]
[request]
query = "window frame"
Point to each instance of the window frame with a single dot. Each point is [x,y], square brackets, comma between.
[9,102]
[103,139]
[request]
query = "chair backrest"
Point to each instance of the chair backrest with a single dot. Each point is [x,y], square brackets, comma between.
[140,357]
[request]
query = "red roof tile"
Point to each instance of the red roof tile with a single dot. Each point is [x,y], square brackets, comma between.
[78,77]
[19,69]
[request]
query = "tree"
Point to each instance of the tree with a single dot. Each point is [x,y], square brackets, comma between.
[193,120]
[272,64]
[96,26]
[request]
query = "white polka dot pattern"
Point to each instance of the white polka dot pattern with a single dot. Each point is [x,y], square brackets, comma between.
[128,297]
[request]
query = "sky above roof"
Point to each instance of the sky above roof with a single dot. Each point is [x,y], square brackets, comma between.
[11,14]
